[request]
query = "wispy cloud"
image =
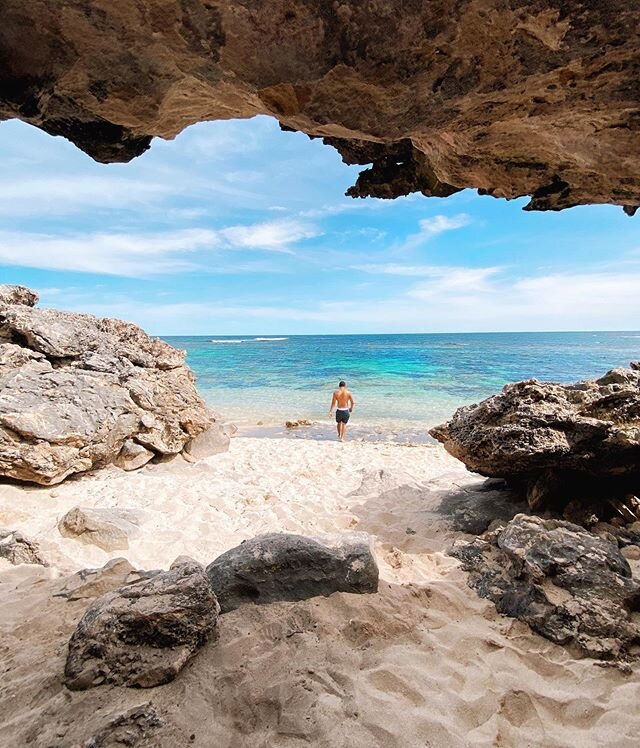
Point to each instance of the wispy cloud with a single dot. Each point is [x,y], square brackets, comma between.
[430,227]
[149,254]
[275,236]
[134,255]
[50,195]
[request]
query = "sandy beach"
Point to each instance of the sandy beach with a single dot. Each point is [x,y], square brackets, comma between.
[425,662]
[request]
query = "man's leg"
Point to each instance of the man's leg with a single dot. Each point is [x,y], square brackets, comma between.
[338,425]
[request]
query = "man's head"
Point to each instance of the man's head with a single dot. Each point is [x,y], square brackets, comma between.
[342,383]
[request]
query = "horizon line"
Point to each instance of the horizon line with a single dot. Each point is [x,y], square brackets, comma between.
[372,334]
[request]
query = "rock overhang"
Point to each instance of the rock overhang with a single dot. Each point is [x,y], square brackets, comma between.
[510,98]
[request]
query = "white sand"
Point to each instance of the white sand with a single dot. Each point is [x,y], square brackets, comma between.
[423,663]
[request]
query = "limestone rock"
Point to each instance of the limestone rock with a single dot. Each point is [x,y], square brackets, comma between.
[568,584]
[109,529]
[143,634]
[79,392]
[16,548]
[17,295]
[560,442]
[87,584]
[298,423]
[512,98]
[211,442]
[292,567]
[133,456]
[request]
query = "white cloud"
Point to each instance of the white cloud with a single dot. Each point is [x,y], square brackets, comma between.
[148,254]
[270,235]
[135,255]
[76,193]
[438,224]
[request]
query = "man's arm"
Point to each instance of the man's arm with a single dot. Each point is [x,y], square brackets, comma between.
[352,401]
[333,402]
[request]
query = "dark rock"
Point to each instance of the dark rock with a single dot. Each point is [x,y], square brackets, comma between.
[126,729]
[559,443]
[18,549]
[277,567]
[143,634]
[473,511]
[568,584]
[512,98]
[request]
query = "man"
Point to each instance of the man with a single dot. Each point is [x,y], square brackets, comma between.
[343,402]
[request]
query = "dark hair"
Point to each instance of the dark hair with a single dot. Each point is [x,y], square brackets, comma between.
[342,383]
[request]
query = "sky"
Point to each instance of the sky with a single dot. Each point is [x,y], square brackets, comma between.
[238,228]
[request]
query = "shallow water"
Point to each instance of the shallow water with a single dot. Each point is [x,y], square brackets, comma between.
[401,382]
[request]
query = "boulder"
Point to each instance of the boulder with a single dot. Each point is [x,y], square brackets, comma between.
[16,548]
[569,585]
[282,566]
[109,529]
[559,443]
[211,442]
[79,392]
[142,634]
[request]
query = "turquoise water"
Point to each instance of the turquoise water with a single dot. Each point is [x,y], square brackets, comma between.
[399,381]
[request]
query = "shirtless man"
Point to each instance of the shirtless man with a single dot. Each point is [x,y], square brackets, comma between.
[343,402]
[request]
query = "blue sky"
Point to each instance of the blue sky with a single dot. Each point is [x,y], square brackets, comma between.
[239,228]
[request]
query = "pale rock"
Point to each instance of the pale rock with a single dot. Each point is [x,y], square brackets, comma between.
[211,442]
[75,389]
[109,529]
[133,456]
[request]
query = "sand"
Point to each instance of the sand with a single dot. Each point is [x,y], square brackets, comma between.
[425,662]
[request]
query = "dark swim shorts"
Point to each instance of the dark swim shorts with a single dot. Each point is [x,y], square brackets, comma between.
[342,416]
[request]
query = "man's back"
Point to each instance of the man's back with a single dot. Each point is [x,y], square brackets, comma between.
[343,398]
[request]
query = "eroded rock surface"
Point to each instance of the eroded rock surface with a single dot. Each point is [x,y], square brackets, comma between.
[568,584]
[79,392]
[143,634]
[562,443]
[282,566]
[16,548]
[508,97]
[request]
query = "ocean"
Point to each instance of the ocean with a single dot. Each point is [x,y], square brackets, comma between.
[400,382]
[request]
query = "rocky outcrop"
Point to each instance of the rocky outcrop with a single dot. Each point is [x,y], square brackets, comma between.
[561,443]
[289,567]
[568,584]
[79,392]
[507,97]
[16,548]
[143,634]
[109,529]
